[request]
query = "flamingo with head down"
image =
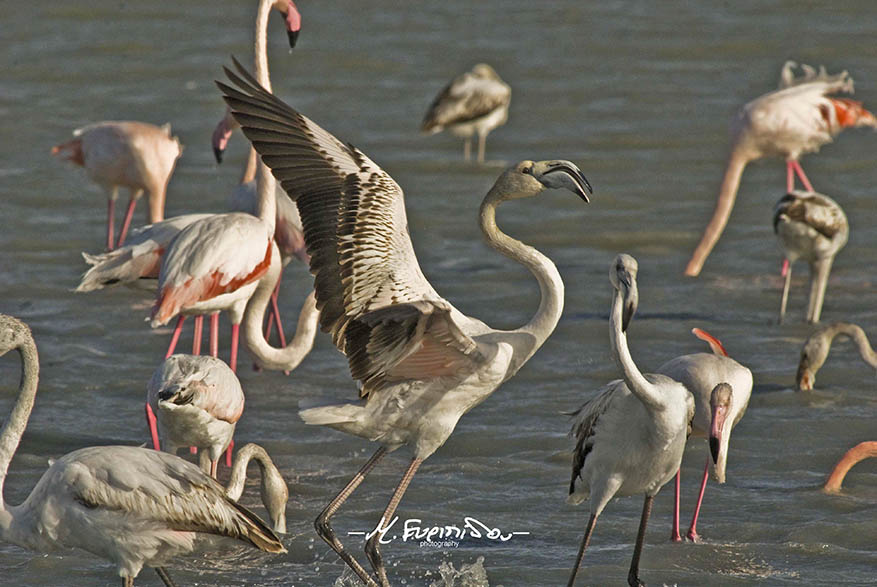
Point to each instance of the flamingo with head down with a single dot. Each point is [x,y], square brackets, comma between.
[798,118]
[131,506]
[135,155]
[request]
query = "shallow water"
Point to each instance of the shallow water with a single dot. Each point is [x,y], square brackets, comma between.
[640,98]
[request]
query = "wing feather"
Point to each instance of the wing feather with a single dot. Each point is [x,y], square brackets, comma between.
[353,213]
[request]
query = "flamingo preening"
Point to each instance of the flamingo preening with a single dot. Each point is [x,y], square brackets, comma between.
[421,363]
[812,227]
[135,155]
[798,118]
[631,435]
[131,506]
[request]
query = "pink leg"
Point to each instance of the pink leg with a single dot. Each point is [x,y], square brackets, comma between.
[228,452]
[275,310]
[233,361]
[213,466]
[790,176]
[129,213]
[193,450]
[800,171]
[153,427]
[177,330]
[111,212]
[785,268]
[692,531]
[214,334]
[674,533]
[196,340]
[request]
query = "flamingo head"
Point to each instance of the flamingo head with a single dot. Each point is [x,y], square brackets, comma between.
[813,356]
[720,428]
[292,19]
[222,133]
[13,334]
[622,275]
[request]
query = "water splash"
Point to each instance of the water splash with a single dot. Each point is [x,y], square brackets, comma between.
[469,575]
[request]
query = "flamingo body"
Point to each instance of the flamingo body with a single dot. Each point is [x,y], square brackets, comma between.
[812,227]
[421,363]
[135,155]
[198,401]
[475,102]
[132,506]
[798,118]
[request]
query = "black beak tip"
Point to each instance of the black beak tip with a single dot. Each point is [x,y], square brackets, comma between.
[217,153]
[293,38]
[714,449]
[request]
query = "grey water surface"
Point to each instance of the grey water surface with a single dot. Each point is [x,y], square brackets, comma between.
[639,95]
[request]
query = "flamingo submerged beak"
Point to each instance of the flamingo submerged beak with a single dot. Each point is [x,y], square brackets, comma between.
[805,378]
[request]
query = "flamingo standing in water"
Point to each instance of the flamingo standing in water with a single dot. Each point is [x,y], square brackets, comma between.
[132,506]
[798,118]
[631,435]
[135,155]
[215,264]
[816,347]
[860,452]
[197,401]
[421,363]
[722,388]
[814,227]
[475,102]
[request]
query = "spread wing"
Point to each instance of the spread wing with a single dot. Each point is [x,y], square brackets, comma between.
[352,212]
[373,298]
[466,98]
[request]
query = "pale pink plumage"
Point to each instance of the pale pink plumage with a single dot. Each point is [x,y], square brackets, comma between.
[135,155]
[798,118]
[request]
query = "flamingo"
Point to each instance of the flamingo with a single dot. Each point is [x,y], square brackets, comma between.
[718,408]
[631,435]
[197,401]
[132,506]
[421,363]
[135,155]
[814,227]
[816,347]
[274,491]
[475,102]
[215,264]
[860,452]
[798,118]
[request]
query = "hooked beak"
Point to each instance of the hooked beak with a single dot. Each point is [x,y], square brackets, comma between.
[805,379]
[717,425]
[631,300]
[292,18]
[564,174]
[169,392]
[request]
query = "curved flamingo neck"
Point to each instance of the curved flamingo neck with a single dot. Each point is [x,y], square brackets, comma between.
[859,337]
[647,393]
[543,322]
[860,452]
[238,477]
[288,357]
[250,168]
[737,161]
[12,431]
